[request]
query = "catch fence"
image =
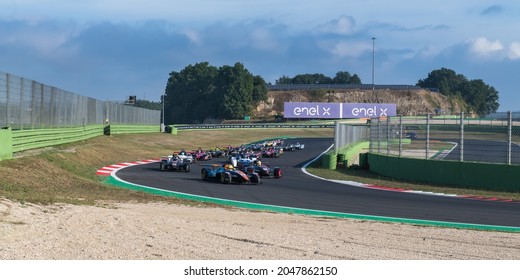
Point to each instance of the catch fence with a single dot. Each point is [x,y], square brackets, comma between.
[27,104]
[456,138]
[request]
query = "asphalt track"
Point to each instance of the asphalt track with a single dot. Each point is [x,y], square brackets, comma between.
[299,190]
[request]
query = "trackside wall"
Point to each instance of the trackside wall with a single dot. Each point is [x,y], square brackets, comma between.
[493,177]
[6,146]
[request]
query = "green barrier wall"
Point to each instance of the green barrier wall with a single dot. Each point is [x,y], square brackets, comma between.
[127,129]
[328,161]
[495,177]
[345,155]
[6,143]
[20,140]
[353,150]
[39,138]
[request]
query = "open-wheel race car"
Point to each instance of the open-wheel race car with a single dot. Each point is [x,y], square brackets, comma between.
[293,147]
[265,171]
[272,152]
[226,173]
[200,155]
[175,163]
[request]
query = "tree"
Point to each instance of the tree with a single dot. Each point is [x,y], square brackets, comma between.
[148,104]
[480,97]
[446,80]
[311,79]
[344,77]
[259,90]
[234,91]
[189,93]
[284,80]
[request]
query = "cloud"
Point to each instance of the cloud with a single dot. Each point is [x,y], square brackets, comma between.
[485,48]
[514,51]
[344,25]
[492,10]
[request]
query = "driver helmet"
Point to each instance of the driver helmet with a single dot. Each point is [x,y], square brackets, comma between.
[228,166]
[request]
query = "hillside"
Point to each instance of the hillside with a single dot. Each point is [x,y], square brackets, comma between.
[409,102]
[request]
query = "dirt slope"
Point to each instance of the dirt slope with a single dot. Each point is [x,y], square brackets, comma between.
[409,102]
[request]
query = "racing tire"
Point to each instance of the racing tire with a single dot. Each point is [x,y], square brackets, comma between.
[187,168]
[225,178]
[255,179]
[204,175]
[162,166]
[277,173]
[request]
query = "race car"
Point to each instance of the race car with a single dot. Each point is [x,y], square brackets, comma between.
[263,170]
[175,163]
[293,147]
[226,173]
[185,156]
[200,155]
[272,152]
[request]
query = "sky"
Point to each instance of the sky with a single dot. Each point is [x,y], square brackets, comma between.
[111,49]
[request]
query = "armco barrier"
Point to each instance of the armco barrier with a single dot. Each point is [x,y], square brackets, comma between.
[260,125]
[128,129]
[39,138]
[494,177]
[20,140]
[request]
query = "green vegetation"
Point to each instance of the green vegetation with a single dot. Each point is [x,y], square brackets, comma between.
[202,91]
[342,77]
[481,98]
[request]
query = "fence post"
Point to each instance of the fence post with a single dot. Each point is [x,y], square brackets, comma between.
[21,116]
[7,86]
[378,136]
[509,132]
[428,136]
[400,135]
[336,137]
[461,140]
[388,135]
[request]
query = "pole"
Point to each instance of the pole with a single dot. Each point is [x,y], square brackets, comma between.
[509,133]
[163,125]
[373,62]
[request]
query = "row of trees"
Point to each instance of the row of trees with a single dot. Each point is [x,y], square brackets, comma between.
[202,91]
[342,77]
[481,98]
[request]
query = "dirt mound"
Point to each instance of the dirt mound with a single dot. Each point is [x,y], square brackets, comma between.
[409,102]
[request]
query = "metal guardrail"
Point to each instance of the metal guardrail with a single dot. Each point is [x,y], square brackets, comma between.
[39,138]
[265,125]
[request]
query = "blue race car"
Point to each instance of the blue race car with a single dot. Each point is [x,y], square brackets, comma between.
[226,173]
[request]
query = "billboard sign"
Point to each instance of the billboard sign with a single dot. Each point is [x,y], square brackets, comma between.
[368,110]
[321,110]
[312,110]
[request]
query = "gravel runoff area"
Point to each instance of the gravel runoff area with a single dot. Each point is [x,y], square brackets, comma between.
[155,231]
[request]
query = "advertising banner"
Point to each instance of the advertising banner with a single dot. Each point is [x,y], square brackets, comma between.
[312,110]
[322,110]
[368,110]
